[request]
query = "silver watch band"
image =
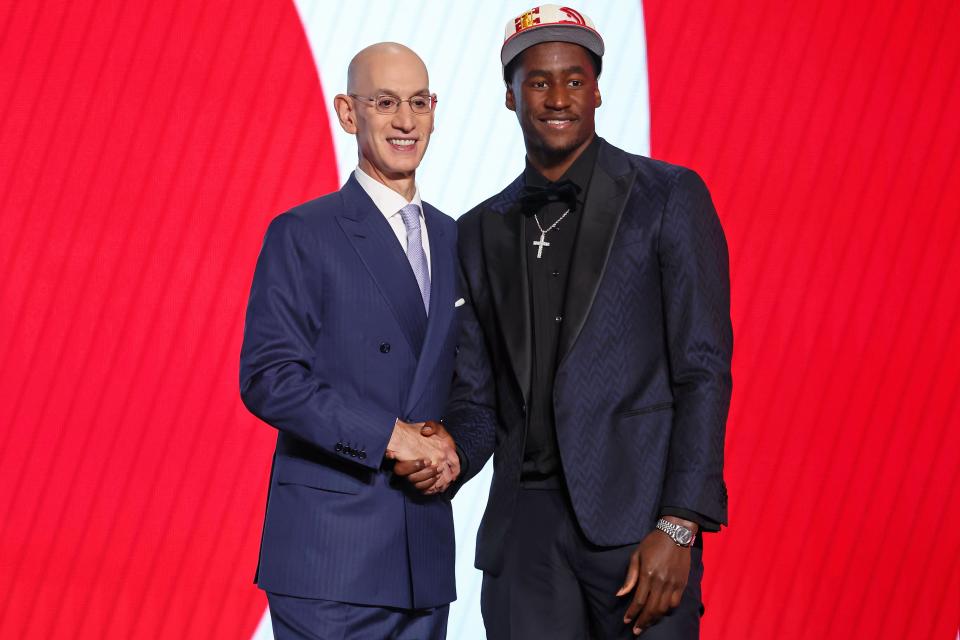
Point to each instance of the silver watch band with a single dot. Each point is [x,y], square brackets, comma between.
[680,535]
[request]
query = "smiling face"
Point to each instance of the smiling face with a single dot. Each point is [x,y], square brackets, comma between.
[554,93]
[390,146]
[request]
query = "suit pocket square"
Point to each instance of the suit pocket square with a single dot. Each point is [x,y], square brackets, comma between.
[459,303]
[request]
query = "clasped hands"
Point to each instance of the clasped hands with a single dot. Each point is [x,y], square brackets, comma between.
[425,454]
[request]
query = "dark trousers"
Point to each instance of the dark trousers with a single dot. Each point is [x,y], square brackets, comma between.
[308,619]
[555,584]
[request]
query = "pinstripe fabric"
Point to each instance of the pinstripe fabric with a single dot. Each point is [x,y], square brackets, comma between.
[336,347]
[305,619]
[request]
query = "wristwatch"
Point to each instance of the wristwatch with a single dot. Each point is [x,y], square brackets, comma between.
[682,536]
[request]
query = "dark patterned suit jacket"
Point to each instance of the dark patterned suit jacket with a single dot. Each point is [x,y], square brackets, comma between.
[336,347]
[643,381]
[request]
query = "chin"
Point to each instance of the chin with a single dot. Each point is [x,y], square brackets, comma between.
[406,166]
[560,147]
[401,170]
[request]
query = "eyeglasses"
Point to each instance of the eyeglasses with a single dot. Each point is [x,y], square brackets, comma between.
[385,103]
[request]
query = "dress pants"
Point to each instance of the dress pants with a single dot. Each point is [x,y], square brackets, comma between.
[556,584]
[309,619]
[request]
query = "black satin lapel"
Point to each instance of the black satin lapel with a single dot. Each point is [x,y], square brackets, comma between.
[606,199]
[441,307]
[503,244]
[374,240]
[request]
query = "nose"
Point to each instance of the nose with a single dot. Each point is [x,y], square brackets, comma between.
[404,119]
[557,97]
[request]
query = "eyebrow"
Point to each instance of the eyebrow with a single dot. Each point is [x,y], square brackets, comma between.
[566,71]
[379,92]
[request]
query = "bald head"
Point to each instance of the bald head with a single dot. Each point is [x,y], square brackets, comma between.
[392,132]
[368,67]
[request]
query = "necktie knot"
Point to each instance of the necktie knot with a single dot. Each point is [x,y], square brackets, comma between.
[411,217]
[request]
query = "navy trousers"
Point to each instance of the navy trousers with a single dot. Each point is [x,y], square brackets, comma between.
[556,584]
[308,619]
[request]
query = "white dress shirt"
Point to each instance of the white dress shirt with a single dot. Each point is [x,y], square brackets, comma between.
[389,202]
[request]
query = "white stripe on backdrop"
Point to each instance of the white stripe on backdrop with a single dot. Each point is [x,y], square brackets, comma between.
[476,148]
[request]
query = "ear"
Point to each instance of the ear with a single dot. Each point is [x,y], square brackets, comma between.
[345,113]
[597,101]
[510,100]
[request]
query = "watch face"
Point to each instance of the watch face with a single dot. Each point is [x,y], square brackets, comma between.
[685,536]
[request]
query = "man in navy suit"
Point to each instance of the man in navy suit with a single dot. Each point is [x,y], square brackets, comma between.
[594,364]
[348,350]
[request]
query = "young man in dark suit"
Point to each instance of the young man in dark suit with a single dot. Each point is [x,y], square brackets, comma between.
[594,362]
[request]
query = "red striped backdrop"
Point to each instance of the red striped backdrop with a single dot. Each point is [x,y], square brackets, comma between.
[828,133]
[144,146]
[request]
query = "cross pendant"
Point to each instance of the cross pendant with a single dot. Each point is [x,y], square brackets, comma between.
[540,244]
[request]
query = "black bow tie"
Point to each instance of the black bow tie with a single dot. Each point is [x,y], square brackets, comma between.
[532,198]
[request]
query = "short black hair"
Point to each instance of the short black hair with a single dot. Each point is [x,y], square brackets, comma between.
[511,67]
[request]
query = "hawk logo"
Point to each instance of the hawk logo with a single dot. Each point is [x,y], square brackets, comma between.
[575,16]
[527,20]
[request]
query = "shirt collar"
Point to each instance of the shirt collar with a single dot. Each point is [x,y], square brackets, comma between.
[388,201]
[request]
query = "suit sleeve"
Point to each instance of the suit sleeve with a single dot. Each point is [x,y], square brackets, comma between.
[279,382]
[471,416]
[696,299]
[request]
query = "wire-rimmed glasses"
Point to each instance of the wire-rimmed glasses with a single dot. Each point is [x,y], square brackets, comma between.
[388,104]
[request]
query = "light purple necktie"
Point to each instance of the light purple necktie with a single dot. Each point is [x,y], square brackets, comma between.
[415,253]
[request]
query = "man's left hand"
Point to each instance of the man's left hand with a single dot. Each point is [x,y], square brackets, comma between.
[659,570]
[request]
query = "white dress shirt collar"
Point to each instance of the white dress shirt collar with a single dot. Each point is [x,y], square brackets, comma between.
[388,201]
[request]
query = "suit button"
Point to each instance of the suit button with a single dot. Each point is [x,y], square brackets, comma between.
[362,455]
[353,453]
[559,318]
[555,274]
[384,347]
[339,447]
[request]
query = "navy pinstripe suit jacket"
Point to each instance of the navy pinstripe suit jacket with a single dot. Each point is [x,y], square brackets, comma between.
[337,346]
[643,381]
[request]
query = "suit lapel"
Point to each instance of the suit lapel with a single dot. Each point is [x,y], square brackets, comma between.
[608,193]
[503,235]
[441,306]
[374,240]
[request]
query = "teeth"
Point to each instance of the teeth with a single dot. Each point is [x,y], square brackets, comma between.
[402,142]
[557,121]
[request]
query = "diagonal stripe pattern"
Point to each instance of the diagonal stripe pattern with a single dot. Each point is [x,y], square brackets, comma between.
[415,253]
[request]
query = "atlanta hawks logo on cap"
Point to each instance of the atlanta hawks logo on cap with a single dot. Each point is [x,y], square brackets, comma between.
[549,23]
[527,20]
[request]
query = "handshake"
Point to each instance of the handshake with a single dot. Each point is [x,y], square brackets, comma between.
[425,454]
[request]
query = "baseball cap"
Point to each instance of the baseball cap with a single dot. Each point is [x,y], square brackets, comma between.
[549,23]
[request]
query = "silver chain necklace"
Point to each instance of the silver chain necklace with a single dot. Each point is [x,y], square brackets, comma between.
[541,243]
